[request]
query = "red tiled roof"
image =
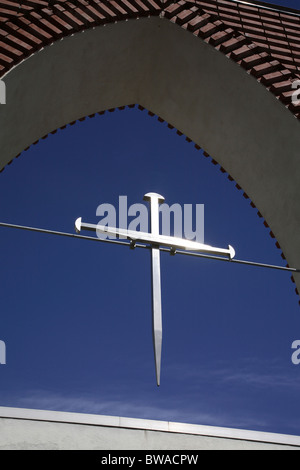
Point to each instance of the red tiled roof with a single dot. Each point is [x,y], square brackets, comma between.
[274,31]
[263,38]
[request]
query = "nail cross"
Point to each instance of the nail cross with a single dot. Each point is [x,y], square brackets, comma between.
[155,240]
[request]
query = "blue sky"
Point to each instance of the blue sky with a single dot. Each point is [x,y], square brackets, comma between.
[76,316]
[286,3]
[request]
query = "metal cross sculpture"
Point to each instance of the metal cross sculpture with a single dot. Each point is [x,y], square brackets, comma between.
[156,241]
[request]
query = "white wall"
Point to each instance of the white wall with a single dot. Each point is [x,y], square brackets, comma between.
[25,429]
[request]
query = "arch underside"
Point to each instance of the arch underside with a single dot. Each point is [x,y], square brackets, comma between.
[185,81]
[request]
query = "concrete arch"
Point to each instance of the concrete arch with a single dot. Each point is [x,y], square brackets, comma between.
[191,85]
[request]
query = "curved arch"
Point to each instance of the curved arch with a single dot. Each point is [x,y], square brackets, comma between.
[186,82]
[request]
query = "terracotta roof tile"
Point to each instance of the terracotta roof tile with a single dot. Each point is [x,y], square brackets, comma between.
[197,22]
[221,36]
[244,51]
[233,43]
[275,77]
[186,15]
[253,60]
[280,87]
[209,29]
[265,68]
